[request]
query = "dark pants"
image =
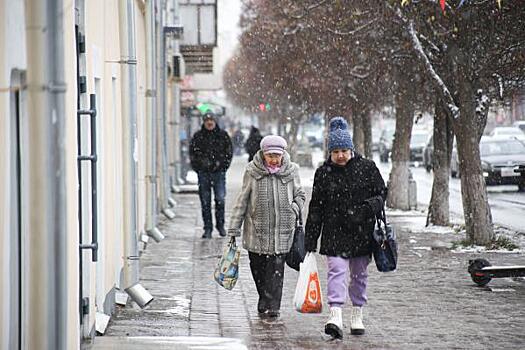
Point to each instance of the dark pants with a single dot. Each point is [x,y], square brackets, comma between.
[268,274]
[217,182]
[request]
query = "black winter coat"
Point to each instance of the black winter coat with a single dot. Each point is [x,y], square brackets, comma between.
[211,151]
[345,201]
[253,143]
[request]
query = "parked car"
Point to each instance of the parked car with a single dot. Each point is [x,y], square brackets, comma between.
[508,131]
[385,144]
[519,124]
[454,159]
[418,141]
[500,157]
[428,154]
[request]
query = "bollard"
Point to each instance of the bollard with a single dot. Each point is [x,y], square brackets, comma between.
[412,192]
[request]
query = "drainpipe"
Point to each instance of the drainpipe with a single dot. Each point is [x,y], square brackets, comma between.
[46,326]
[176,107]
[128,71]
[163,125]
[175,89]
[151,125]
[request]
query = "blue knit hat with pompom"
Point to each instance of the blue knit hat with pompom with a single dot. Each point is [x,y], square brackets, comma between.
[339,137]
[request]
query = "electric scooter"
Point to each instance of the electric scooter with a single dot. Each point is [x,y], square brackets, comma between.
[482,272]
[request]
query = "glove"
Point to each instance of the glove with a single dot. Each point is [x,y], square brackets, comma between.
[375,204]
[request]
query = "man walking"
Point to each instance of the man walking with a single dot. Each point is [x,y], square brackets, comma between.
[211,155]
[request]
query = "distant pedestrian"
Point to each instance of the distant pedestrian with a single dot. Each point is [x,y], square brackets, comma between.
[211,155]
[348,192]
[269,204]
[238,141]
[253,142]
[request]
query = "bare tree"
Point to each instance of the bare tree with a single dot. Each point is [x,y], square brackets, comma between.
[473,54]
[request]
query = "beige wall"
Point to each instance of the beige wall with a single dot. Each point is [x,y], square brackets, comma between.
[102,56]
[12,57]
[73,334]
[4,185]
[142,114]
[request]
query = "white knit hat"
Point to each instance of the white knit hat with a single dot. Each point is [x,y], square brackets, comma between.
[273,144]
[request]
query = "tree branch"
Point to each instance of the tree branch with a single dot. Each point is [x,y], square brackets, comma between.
[306,10]
[418,48]
[352,32]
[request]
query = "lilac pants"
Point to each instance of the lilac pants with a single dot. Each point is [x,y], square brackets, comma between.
[339,285]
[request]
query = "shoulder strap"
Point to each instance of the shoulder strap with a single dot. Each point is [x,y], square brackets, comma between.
[300,219]
[381,218]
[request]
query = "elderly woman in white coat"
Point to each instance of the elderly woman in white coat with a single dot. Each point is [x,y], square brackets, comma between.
[269,204]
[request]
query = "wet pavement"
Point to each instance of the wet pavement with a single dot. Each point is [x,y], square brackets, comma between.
[430,302]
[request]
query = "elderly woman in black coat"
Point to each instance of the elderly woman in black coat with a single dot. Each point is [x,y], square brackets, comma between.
[348,192]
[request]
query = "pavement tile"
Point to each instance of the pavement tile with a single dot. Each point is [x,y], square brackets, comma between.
[428,303]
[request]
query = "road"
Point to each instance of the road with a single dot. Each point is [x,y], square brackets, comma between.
[430,302]
[506,203]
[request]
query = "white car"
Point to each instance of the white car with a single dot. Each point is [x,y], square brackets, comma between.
[508,131]
[519,124]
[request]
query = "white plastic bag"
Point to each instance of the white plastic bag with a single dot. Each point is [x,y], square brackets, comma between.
[308,297]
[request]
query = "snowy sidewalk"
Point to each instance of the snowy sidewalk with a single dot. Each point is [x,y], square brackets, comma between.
[428,303]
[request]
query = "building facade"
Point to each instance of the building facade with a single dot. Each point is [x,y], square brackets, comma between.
[84,135]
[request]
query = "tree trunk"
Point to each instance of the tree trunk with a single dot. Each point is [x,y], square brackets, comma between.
[362,132]
[327,118]
[291,135]
[398,184]
[357,134]
[438,208]
[367,131]
[476,210]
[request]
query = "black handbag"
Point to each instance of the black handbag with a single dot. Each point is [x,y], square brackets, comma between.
[297,251]
[384,245]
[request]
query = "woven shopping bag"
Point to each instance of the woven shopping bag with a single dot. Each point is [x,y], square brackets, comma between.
[227,271]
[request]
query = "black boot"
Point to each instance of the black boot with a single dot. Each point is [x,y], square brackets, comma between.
[222,231]
[206,234]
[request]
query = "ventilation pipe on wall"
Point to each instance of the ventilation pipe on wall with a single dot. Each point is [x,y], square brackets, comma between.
[47,328]
[128,66]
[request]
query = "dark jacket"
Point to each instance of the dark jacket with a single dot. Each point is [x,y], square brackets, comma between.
[345,201]
[253,143]
[210,151]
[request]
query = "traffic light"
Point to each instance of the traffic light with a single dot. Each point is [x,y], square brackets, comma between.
[264,107]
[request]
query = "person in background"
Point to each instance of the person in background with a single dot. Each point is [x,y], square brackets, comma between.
[348,192]
[238,141]
[210,157]
[253,142]
[268,206]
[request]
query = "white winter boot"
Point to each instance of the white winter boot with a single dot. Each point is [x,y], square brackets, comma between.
[334,326]
[356,321]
